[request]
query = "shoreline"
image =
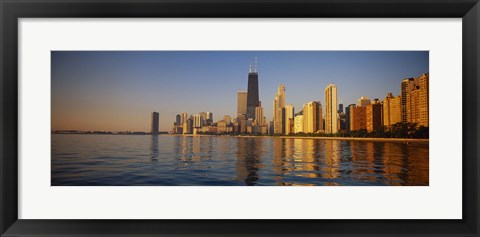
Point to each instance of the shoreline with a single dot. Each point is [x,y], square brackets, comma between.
[365,139]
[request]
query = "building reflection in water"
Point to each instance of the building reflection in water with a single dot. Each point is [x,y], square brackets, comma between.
[293,161]
[249,154]
[332,160]
[154,148]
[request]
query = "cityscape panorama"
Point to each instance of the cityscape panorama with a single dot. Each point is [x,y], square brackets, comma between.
[354,118]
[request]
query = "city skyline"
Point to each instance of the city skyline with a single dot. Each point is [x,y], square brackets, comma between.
[305,74]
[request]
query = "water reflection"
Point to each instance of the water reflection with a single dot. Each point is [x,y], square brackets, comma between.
[248,163]
[211,160]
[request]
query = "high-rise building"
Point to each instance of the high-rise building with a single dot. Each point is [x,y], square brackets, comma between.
[155,123]
[340,108]
[278,104]
[406,86]
[363,101]
[210,115]
[351,117]
[358,118]
[374,116]
[227,119]
[178,120]
[259,118]
[242,102]
[252,92]
[331,109]
[197,120]
[347,116]
[312,117]
[288,119]
[184,118]
[423,82]
[392,112]
[298,123]
[415,105]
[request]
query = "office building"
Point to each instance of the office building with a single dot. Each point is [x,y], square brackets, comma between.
[363,101]
[359,118]
[242,102]
[298,123]
[423,82]
[155,123]
[392,112]
[278,104]
[288,114]
[331,109]
[253,98]
[312,117]
[340,108]
[406,86]
[351,117]
[374,116]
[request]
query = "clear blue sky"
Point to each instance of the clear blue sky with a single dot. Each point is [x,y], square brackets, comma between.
[117,90]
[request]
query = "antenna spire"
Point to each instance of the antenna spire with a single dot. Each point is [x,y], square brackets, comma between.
[250,69]
[256,65]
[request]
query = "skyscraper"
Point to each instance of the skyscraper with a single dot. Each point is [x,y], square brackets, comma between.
[259,119]
[423,81]
[331,109]
[392,112]
[197,120]
[288,117]
[374,116]
[340,108]
[252,92]
[406,86]
[298,122]
[184,118]
[312,117]
[278,104]
[155,123]
[242,102]
[178,120]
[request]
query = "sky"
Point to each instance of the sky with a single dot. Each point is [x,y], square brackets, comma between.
[118,90]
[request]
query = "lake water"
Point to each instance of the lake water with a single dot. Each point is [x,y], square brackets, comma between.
[91,160]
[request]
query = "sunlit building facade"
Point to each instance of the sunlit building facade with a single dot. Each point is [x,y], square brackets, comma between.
[331,109]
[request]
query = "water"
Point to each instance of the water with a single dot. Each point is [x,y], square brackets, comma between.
[119,160]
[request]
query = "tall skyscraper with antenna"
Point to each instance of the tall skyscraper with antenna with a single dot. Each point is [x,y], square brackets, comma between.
[252,91]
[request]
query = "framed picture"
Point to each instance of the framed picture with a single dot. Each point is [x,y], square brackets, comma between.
[239,118]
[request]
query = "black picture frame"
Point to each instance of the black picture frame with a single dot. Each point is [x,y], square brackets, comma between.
[11,11]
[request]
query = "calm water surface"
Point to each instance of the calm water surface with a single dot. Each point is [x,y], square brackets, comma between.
[213,160]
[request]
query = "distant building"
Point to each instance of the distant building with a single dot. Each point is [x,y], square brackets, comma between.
[288,119]
[208,119]
[359,115]
[331,109]
[298,123]
[424,103]
[406,86]
[415,105]
[363,101]
[392,112]
[374,116]
[312,117]
[278,104]
[178,119]
[340,108]
[155,123]
[347,116]
[242,102]
[227,119]
[197,120]
[252,92]
[351,117]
